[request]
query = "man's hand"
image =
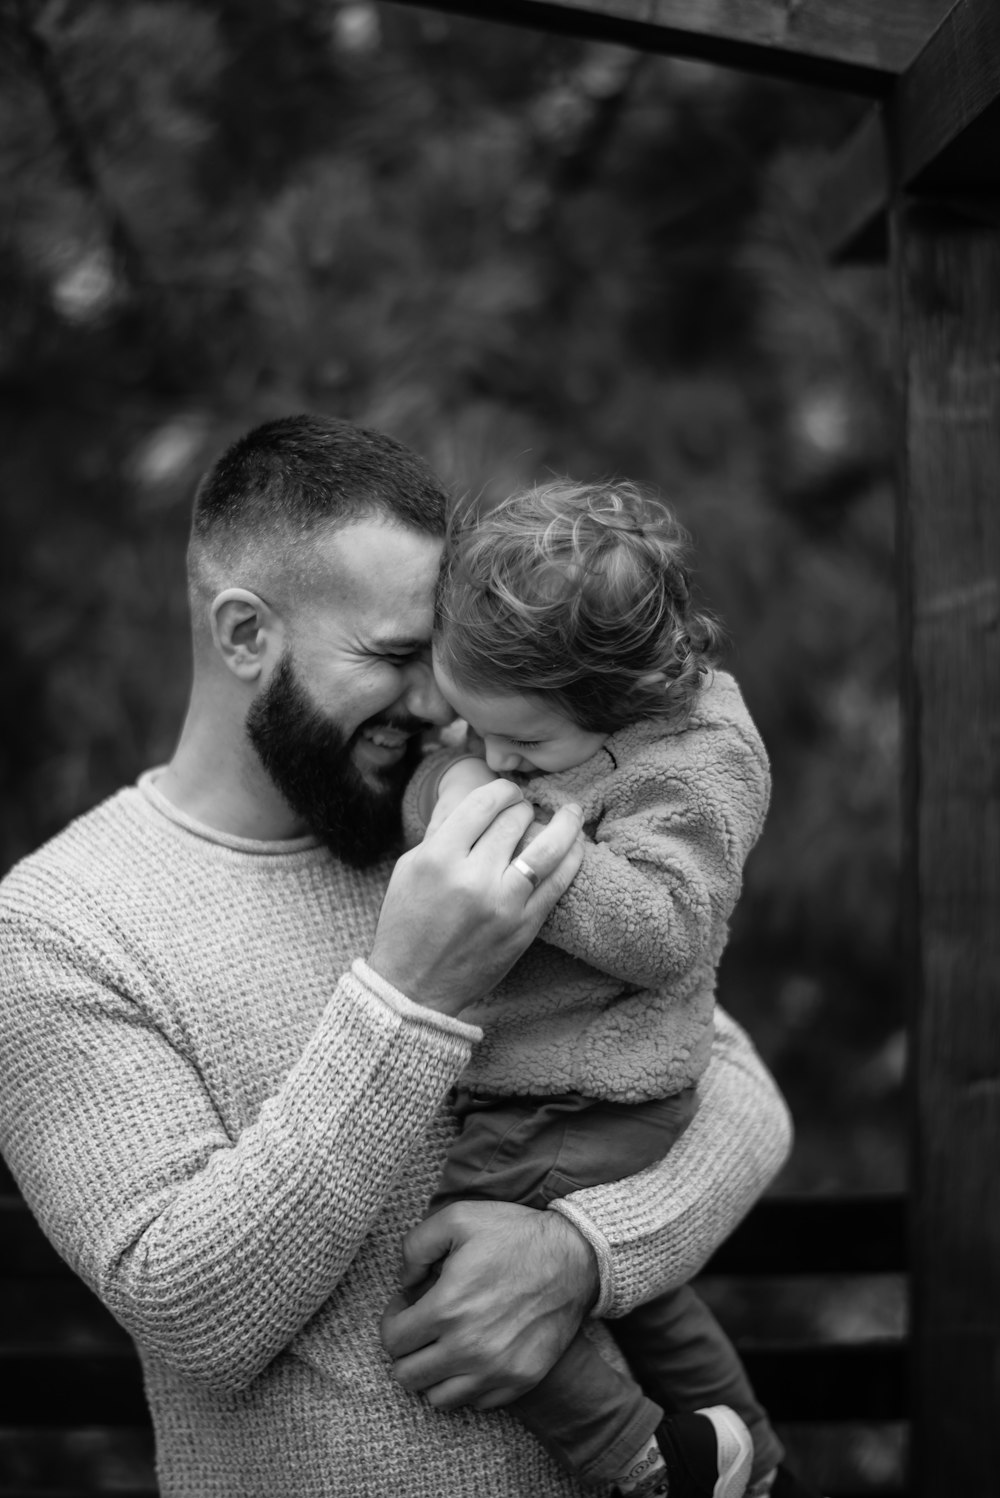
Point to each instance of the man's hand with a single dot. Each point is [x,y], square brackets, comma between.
[456,914]
[512,1288]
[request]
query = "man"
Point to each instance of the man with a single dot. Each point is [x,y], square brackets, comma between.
[230,1026]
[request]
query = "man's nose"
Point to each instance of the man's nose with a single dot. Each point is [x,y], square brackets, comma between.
[423,696]
[498,758]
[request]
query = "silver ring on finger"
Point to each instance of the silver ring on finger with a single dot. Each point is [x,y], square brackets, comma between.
[523,867]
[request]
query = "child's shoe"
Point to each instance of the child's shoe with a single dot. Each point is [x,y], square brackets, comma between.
[707,1454]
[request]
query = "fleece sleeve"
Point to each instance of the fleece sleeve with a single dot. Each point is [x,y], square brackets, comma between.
[212,1251]
[655,1230]
[421,791]
[665,867]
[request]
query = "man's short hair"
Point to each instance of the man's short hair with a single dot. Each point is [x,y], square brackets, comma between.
[262,503]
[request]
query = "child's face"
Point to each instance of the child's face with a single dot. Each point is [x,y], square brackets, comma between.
[520,734]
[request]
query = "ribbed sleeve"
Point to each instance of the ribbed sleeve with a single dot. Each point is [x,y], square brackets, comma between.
[211,1250]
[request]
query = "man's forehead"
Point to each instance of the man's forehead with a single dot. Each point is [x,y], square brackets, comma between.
[385,575]
[375,552]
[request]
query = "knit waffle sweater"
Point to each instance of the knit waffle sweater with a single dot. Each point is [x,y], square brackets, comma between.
[226,1121]
[616,1000]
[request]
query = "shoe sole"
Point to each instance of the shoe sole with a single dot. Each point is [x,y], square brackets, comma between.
[735,1451]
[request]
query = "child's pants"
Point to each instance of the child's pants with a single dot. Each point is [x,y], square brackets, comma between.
[589,1415]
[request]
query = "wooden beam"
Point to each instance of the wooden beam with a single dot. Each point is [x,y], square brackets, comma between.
[938,135]
[946,273]
[944,116]
[856,45]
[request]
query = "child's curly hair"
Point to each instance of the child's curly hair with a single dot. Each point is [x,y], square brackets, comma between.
[580,593]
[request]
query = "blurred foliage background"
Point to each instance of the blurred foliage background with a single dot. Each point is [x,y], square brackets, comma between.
[519,254]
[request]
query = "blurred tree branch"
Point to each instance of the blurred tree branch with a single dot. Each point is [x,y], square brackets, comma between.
[43,67]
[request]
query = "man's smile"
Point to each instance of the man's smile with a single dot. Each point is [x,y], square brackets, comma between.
[382,745]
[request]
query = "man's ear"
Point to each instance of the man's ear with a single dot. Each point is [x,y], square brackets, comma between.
[246,632]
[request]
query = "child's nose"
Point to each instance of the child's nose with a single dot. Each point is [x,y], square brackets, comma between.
[499,758]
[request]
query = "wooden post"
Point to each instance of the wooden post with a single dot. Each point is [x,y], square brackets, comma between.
[946,273]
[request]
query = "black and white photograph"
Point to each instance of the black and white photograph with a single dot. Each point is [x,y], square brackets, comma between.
[500,748]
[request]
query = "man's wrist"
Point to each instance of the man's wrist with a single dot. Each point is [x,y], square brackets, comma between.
[582,1264]
[600,1261]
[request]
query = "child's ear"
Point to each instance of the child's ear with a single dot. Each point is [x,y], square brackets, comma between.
[652,678]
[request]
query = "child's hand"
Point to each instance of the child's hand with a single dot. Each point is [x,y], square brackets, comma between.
[461,778]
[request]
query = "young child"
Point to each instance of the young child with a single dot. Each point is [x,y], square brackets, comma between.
[566,637]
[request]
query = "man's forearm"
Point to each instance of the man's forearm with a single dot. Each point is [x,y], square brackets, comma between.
[288,1201]
[657,1229]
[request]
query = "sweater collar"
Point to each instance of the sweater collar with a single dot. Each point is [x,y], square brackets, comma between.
[154,798]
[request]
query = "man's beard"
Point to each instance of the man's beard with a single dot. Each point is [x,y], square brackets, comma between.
[308,756]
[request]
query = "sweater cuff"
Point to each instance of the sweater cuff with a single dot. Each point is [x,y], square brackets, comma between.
[602,1253]
[416,1014]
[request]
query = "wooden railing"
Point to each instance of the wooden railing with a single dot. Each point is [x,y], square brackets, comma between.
[79,1371]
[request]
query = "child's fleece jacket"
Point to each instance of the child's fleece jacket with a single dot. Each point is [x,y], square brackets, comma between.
[615,999]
